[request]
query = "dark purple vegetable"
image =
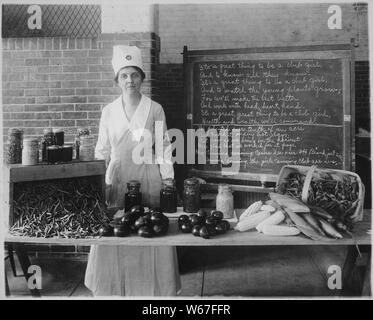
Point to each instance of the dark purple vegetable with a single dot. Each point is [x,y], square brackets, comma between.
[182,219]
[145,231]
[203,232]
[106,231]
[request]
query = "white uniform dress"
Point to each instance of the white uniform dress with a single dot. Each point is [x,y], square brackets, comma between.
[129,270]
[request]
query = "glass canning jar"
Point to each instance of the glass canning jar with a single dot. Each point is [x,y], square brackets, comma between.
[133,195]
[168,196]
[224,201]
[191,195]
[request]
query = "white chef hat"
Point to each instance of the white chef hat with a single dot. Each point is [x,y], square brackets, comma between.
[126,56]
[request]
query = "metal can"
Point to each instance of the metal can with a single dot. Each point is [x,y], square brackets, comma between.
[191,195]
[59,136]
[54,154]
[224,201]
[30,152]
[67,153]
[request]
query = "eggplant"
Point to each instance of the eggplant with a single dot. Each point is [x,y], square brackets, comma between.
[196,229]
[185,227]
[137,209]
[220,228]
[182,219]
[202,214]
[145,231]
[203,232]
[121,231]
[160,229]
[106,231]
[210,221]
[155,209]
[216,214]
[142,221]
[158,218]
[226,224]
[194,219]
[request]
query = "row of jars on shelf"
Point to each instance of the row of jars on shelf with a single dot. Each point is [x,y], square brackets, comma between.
[52,146]
[191,197]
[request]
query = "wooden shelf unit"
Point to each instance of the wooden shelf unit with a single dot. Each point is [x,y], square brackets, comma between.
[14,174]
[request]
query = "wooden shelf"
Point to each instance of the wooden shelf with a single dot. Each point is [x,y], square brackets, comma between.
[43,171]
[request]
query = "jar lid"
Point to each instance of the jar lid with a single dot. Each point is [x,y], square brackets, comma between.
[169,182]
[15,131]
[87,137]
[83,131]
[47,131]
[30,141]
[224,187]
[67,146]
[57,130]
[134,183]
[191,182]
[54,147]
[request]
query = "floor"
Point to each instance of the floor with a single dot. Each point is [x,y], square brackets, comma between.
[215,272]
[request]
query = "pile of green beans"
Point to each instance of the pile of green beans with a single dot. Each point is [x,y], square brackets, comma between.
[67,208]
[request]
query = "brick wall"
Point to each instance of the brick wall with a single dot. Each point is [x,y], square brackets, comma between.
[65,82]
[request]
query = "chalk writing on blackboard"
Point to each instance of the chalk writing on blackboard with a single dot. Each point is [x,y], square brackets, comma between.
[288,111]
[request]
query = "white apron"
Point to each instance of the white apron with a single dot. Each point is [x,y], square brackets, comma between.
[129,270]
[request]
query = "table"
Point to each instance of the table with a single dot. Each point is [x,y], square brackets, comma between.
[231,238]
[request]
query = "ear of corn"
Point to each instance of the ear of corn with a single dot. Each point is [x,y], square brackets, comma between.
[274,219]
[273,230]
[289,203]
[251,221]
[252,209]
[267,207]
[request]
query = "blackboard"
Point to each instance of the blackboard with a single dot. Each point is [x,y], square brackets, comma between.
[291,107]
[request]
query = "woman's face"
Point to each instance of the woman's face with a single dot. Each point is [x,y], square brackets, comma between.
[129,80]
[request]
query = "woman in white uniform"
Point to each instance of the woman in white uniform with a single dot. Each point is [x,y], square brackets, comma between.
[128,270]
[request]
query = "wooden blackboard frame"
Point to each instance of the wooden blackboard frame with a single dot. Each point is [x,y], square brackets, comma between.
[345,52]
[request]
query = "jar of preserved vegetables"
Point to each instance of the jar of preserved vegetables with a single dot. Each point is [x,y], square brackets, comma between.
[191,195]
[168,196]
[81,132]
[47,140]
[14,154]
[30,152]
[87,148]
[133,195]
[224,201]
